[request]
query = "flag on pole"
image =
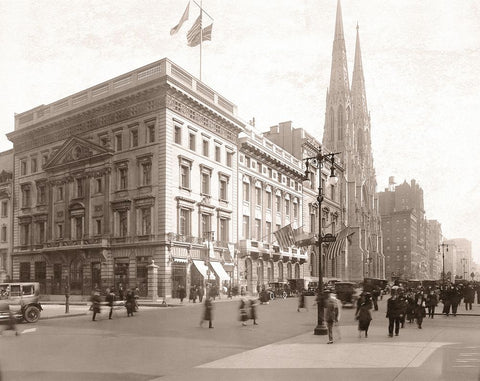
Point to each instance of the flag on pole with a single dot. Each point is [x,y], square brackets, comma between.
[184,18]
[335,248]
[193,35]
[303,238]
[285,237]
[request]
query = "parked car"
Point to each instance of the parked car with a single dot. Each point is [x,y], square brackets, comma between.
[278,290]
[22,299]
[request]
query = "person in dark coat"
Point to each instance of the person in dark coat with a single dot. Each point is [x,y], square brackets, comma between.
[301,301]
[243,311]
[375,295]
[364,316]
[420,311]
[469,297]
[110,299]
[331,312]
[11,323]
[456,299]
[200,293]
[130,302]
[181,293]
[394,313]
[253,310]
[207,312]
[121,292]
[431,301]
[95,304]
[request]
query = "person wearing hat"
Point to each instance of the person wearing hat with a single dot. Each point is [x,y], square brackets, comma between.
[331,314]
[394,313]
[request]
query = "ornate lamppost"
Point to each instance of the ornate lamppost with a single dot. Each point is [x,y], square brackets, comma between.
[318,161]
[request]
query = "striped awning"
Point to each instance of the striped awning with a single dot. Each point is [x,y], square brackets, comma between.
[220,271]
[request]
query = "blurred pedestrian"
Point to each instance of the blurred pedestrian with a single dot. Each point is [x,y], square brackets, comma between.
[95,307]
[207,312]
[253,310]
[364,316]
[469,297]
[431,301]
[243,311]
[130,302]
[181,293]
[11,322]
[121,292]
[375,295]
[420,311]
[110,299]
[301,301]
[331,314]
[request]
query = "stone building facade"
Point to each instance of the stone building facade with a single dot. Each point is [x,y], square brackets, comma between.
[6,213]
[135,169]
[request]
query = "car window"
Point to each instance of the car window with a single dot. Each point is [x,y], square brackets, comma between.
[27,289]
[15,290]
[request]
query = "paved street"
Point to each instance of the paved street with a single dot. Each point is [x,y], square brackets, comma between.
[168,344]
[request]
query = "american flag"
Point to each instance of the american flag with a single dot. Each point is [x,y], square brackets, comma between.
[285,237]
[335,248]
[193,35]
[184,18]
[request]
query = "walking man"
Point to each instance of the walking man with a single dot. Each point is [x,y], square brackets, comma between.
[394,313]
[110,299]
[207,312]
[331,314]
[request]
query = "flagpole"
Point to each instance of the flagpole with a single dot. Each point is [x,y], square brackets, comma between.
[201,38]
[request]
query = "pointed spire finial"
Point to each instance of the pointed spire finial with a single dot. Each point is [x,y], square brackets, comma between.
[357,27]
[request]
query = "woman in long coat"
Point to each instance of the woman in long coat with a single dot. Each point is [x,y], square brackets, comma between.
[364,316]
[243,311]
[208,312]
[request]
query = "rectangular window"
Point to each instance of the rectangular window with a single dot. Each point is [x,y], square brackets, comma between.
[44,159]
[258,196]
[146,173]
[223,227]
[23,167]
[205,148]
[178,135]
[246,227]
[295,210]
[98,185]
[98,226]
[133,137]
[268,231]
[33,164]
[150,133]
[78,227]
[184,224]
[229,159]
[287,207]
[185,176]
[269,200]
[192,142]
[278,203]
[258,229]
[122,223]
[25,234]
[122,178]
[217,154]
[205,184]
[60,231]
[41,194]
[4,208]
[41,232]
[246,191]
[146,218]
[118,142]
[60,193]
[223,190]
[4,234]
[205,226]
[24,274]
[26,197]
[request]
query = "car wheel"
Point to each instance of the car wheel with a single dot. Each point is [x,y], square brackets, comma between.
[31,314]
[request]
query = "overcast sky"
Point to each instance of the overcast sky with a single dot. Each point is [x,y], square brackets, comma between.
[272,58]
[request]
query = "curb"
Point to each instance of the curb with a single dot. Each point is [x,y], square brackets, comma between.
[63,316]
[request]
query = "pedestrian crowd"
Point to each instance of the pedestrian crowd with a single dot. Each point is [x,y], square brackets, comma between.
[128,299]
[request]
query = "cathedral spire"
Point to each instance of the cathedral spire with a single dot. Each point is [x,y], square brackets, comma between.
[359,98]
[339,82]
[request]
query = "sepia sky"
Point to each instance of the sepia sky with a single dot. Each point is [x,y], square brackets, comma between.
[272,58]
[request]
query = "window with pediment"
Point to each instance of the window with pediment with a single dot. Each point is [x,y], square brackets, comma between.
[26,196]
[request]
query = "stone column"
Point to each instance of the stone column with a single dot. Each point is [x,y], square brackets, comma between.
[152,283]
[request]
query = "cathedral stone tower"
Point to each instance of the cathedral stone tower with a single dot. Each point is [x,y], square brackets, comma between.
[347,131]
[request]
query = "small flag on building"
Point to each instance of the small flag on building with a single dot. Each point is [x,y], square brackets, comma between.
[285,237]
[184,18]
[193,35]
[335,248]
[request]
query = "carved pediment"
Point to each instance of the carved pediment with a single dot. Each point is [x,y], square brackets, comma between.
[75,151]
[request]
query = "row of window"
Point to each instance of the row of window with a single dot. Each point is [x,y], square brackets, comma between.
[259,196]
[205,147]
[77,225]
[205,226]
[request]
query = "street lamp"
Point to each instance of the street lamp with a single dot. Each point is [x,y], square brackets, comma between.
[443,246]
[318,160]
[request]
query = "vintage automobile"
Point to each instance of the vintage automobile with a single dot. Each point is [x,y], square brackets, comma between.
[22,299]
[278,290]
[347,292]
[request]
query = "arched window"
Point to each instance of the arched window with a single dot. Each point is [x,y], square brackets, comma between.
[289,270]
[313,264]
[297,271]
[280,271]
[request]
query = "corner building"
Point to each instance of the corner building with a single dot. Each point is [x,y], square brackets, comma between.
[139,168]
